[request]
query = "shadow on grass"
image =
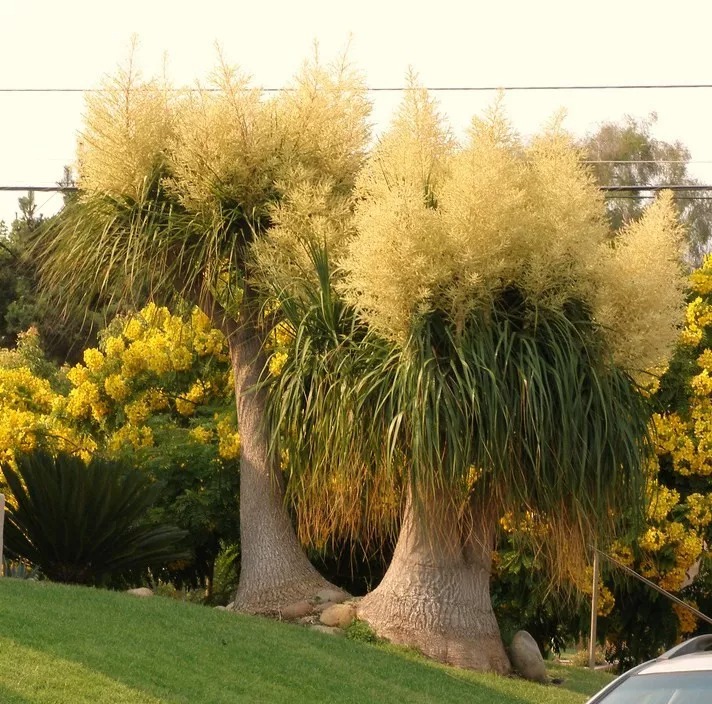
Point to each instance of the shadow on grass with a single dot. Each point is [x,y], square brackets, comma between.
[7,696]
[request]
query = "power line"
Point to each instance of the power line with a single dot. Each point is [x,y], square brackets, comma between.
[400,89]
[665,187]
[675,187]
[40,189]
[639,197]
[645,161]
[67,160]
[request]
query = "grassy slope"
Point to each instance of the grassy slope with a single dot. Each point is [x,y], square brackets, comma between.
[68,645]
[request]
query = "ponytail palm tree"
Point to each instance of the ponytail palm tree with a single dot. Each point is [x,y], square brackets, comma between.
[486,358]
[175,189]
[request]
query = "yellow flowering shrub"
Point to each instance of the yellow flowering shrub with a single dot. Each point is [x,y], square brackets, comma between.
[125,399]
[31,415]
[679,509]
[150,369]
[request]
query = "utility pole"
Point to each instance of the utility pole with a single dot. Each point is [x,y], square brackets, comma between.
[2,523]
[594,614]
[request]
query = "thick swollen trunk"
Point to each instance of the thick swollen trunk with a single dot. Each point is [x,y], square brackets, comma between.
[435,595]
[274,569]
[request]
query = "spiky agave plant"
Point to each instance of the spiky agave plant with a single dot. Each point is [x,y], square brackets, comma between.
[500,333]
[84,523]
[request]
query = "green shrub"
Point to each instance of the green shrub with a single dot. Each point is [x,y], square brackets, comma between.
[84,524]
[361,631]
[225,575]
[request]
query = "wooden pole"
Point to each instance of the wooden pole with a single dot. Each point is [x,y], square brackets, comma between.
[594,614]
[2,523]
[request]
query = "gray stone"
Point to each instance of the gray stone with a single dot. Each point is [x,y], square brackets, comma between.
[526,657]
[221,608]
[335,596]
[295,610]
[340,615]
[329,630]
[141,591]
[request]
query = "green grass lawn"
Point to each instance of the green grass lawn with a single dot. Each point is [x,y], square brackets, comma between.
[72,645]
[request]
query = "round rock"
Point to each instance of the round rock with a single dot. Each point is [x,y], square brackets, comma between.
[336,596]
[526,657]
[141,591]
[295,610]
[339,615]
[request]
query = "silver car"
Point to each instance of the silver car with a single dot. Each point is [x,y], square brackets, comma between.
[682,675]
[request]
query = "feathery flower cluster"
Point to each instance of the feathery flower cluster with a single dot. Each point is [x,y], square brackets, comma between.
[123,145]
[446,227]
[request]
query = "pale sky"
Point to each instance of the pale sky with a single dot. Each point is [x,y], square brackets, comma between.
[74,43]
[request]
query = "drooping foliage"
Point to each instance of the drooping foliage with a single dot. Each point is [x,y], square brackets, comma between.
[489,341]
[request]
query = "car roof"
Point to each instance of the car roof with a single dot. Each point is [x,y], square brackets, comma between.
[694,662]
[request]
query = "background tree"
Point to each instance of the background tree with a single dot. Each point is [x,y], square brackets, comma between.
[21,304]
[174,189]
[626,154]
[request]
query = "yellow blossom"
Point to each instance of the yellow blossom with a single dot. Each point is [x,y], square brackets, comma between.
[228,440]
[201,434]
[114,347]
[131,435]
[276,363]
[686,619]
[78,375]
[93,359]
[134,330]
[81,399]
[653,539]
[137,412]
[662,501]
[116,387]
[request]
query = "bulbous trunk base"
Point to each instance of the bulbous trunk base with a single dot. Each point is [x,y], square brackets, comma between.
[435,595]
[269,599]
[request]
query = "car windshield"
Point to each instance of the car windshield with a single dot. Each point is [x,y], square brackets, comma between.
[663,688]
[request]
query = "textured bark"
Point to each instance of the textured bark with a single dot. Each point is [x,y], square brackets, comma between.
[435,595]
[274,570]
